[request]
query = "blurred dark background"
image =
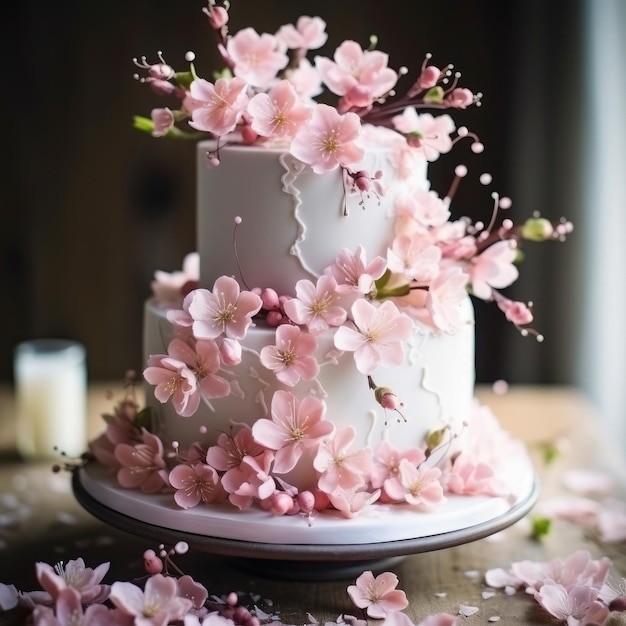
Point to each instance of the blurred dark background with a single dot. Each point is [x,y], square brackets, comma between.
[91,207]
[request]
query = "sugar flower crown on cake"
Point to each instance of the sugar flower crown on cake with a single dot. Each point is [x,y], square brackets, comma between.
[371,306]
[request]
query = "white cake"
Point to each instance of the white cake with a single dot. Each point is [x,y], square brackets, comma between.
[315,356]
[294,223]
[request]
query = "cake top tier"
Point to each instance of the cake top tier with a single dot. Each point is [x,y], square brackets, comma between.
[272,93]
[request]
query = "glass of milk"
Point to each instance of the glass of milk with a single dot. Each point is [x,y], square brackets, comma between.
[51,398]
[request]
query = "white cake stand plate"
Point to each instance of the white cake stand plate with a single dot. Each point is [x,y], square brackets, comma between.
[327,546]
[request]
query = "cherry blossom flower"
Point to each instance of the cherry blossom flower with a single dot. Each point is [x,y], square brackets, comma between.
[354,274]
[142,464]
[294,427]
[350,502]
[424,206]
[194,484]
[186,375]
[224,311]
[493,268]
[157,605]
[69,611]
[251,480]
[377,339]
[279,113]
[169,289]
[309,33]
[428,132]
[291,358]
[314,305]
[567,605]
[218,107]
[416,485]
[174,380]
[357,70]
[257,58]
[445,295]
[339,466]
[387,461]
[378,595]
[305,80]
[328,140]
[163,121]
[231,450]
[416,258]
[87,582]
[470,476]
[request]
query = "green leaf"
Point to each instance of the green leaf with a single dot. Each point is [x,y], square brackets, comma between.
[540,527]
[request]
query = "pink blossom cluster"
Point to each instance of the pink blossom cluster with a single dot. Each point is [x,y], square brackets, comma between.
[250,466]
[268,88]
[575,590]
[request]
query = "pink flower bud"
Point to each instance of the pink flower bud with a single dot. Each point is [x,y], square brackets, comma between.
[460,98]
[152,563]
[161,87]
[218,17]
[306,500]
[517,313]
[429,77]
[230,352]
[248,136]
[270,299]
[160,71]
[281,503]
[274,318]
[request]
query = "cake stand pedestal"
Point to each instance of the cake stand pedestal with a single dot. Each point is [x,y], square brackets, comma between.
[327,548]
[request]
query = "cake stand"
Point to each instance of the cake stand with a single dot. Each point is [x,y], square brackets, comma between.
[325,547]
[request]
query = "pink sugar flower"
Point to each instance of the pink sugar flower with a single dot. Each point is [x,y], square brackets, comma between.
[69,610]
[305,80]
[415,485]
[279,113]
[85,581]
[157,605]
[429,133]
[426,207]
[309,33]
[251,480]
[328,140]
[291,358]
[257,58]
[339,466]
[218,108]
[174,380]
[194,484]
[377,337]
[415,258]
[314,305]
[141,465]
[355,69]
[354,274]
[445,296]
[378,596]
[460,98]
[567,605]
[231,450]
[224,311]
[493,268]
[387,462]
[186,375]
[294,427]
[350,502]
[169,289]
[163,120]
[470,476]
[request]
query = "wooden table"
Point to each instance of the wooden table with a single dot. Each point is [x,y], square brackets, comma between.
[40,520]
